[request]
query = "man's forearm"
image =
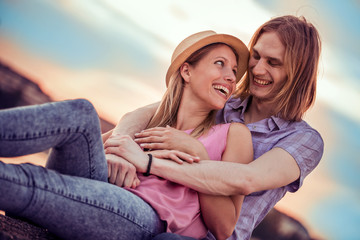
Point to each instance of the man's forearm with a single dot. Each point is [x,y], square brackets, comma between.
[210,177]
[135,121]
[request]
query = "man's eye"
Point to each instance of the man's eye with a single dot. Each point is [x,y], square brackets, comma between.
[234,71]
[256,56]
[274,63]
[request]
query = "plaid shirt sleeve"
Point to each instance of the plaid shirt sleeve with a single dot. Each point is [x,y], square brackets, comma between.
[306,146]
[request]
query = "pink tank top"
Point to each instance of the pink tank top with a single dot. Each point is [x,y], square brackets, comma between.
[176,204]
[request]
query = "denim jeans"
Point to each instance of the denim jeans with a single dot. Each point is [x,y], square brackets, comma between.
[171,236]
[71,196]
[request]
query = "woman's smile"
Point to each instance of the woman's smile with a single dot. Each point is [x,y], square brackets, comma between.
[223,90]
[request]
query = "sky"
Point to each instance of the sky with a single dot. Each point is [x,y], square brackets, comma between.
[116,53]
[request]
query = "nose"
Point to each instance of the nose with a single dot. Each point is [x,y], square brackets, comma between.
[258,67]
[230,76]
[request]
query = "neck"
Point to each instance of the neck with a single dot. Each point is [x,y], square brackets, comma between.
[258,110]
[190,114]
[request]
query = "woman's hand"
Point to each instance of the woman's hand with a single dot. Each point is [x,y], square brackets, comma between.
[170,139]
[124,147]
[177,156]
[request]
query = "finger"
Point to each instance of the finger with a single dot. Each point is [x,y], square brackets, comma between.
[153,145]
[113,150]
[113,174]
[188,158]
[109,169]
[128,181]
[157,153]
[175,158]
[119,181]
[150,139]
[117,141]
[136,182]
[112,143]
[150,132]
[129,177]
[154,129]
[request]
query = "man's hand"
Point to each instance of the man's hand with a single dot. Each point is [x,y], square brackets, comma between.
[124,146]
[121,172]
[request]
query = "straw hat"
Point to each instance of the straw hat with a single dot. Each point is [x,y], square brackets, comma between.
[201,39]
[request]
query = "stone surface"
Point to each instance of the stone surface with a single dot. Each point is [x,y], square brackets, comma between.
[17,90]
[16,229]
[279,226]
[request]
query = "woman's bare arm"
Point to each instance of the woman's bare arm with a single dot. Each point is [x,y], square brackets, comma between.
[220,213]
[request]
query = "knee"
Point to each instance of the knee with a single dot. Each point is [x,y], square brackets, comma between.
[83,106]
[84,112]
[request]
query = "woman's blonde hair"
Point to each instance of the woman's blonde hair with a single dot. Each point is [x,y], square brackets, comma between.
[302,52]
[166,114]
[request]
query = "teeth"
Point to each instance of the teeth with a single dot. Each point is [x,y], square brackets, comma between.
[225,90]
[262,82]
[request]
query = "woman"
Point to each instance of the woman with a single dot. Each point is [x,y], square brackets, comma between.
[76,202]
[279,88]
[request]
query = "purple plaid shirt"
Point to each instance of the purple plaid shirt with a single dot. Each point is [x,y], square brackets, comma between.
[297,138]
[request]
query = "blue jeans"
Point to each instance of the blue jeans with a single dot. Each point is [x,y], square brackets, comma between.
[71,196]
[171,236]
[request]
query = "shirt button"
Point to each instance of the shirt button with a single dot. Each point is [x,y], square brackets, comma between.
[254,127]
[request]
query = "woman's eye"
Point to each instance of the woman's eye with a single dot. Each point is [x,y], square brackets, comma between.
[234,71]
[219,62]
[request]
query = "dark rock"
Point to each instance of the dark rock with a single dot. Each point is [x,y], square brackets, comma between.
[17,90]
[11,228]
[279,226]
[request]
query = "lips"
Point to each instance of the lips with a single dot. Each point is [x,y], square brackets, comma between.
[262,82]
[225,91]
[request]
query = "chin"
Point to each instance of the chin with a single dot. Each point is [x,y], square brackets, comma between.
[219,107]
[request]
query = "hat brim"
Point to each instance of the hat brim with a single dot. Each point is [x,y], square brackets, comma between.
[240,48]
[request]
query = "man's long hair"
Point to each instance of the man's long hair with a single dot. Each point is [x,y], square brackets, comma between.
[302,52]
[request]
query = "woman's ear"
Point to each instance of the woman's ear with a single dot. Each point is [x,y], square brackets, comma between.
[185,71]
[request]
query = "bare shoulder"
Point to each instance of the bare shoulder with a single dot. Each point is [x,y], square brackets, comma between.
[239,144]
[238,130]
